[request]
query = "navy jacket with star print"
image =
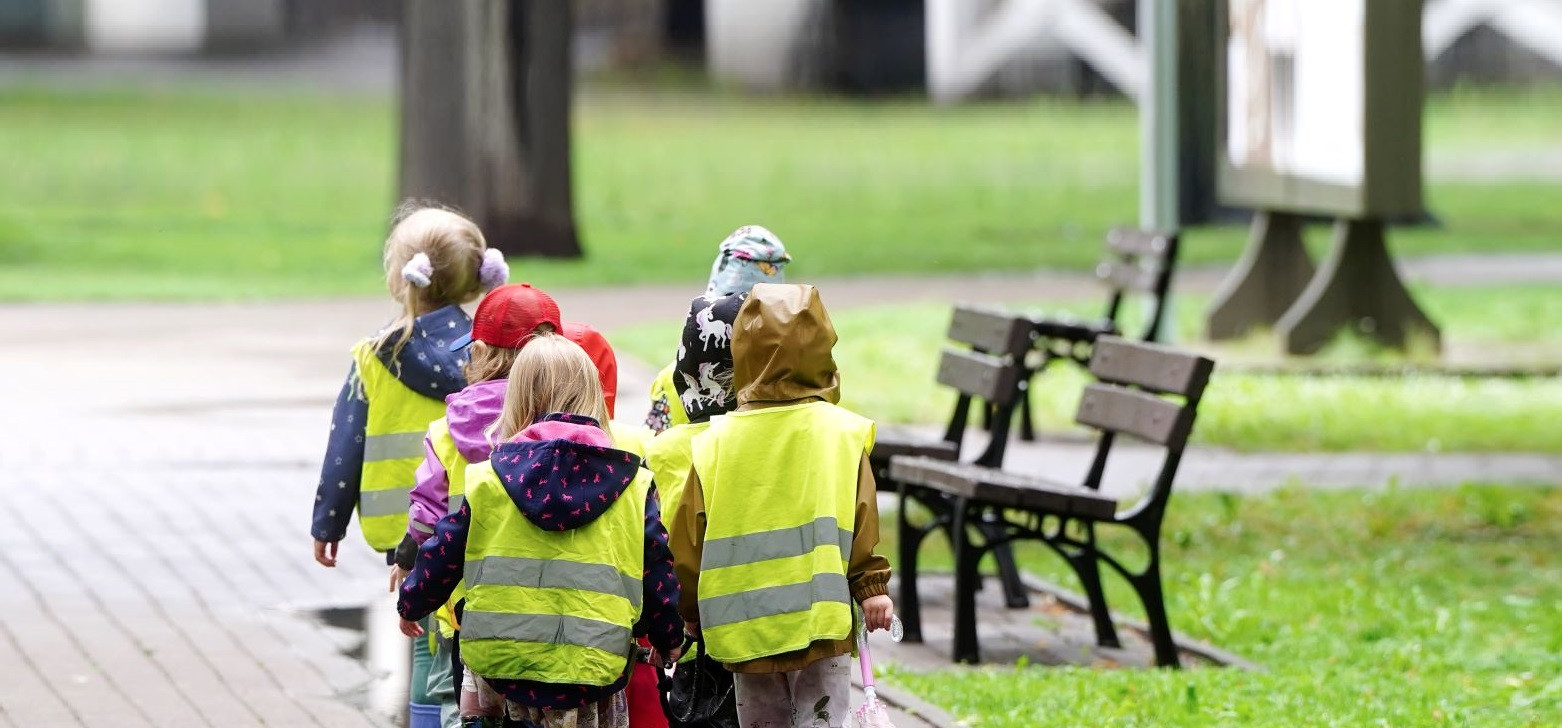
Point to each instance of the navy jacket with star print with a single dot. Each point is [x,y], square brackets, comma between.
[425,364]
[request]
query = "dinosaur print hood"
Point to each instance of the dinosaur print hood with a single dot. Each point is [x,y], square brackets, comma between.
[563,472]
[781,350]
[702,373]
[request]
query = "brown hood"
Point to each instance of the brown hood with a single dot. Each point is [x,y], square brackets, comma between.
[781,345]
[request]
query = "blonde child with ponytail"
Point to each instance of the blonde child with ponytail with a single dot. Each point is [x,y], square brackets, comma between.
[435,260]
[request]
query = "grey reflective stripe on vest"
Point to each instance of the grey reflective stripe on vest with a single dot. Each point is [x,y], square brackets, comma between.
[456,501]
[772,600]
[395,446]
[778,544]
[553,629]
[553,574]
[387,502]
[422,528]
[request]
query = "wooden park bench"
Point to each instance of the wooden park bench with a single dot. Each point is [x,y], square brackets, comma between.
[986,367]
[1133,396]
[1135,263]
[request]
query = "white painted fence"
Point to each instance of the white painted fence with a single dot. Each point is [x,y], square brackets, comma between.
[970,41]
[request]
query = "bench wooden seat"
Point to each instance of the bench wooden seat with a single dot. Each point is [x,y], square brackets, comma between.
[1137,394]
[1004,488]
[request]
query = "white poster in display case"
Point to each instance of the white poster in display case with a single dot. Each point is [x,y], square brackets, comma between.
[1321,106]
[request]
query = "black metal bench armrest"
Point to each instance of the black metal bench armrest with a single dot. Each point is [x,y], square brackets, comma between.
[1004,488]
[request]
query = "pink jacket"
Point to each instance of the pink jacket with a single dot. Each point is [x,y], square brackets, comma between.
[469,413]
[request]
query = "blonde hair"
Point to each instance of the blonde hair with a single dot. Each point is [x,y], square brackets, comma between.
[486,362]
[551,374]
[454,247]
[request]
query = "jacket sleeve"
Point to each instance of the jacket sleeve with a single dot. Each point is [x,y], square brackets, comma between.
[660,621]
[867,573]
[337,493]
[688,545]
[430,497]
[441,560]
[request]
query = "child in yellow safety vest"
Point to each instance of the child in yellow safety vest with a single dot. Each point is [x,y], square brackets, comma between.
[775,529]
[434,261]
[702,377]
[506,319]
[751,254]
[562,549]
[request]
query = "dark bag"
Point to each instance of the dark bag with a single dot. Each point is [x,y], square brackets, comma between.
[699,693]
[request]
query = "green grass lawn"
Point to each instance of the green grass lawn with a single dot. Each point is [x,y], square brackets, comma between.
[888,357]
[184,194]
[1397,608]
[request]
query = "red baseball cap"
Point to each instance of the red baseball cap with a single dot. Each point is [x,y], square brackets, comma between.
[510,314]
[601,354]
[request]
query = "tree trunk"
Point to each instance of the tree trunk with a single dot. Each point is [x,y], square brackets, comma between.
[485,118]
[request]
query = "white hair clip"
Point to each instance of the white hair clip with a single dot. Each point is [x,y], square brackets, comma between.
[418,270]
[494,272]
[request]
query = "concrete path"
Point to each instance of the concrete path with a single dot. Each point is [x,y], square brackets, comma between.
[160,461]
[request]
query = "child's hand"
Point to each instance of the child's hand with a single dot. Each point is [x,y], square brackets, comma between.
[397,575]
[325,552]
[666,661]
[877,611]
[411,629]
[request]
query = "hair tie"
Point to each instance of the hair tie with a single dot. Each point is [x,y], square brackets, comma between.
[494,272]
[418,271]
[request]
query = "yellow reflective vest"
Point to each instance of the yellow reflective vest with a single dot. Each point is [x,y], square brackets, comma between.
[551,606]
[629,438]
[625,437]
[392,448]
[455,466]
[780,487]
[669,456]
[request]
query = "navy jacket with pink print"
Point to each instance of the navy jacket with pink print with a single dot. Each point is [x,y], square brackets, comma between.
[522,464]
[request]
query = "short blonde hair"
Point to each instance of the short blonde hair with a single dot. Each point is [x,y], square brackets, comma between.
[551,374]
[454,246]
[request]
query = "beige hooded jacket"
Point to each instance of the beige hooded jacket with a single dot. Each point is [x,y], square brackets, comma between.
[781,352]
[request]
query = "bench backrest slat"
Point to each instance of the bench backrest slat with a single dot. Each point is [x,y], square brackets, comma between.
[1151,367]
[1127,277]
[1133,241]
[990,330]
[1143,415]
[1139,262]
[980,375]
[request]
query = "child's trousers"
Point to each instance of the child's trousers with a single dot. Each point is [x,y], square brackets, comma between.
[442,682]
[817,695]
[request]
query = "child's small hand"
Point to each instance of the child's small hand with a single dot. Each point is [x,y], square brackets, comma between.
[667,660]
[325,552]
[411,629]
[397,575]
[877,612]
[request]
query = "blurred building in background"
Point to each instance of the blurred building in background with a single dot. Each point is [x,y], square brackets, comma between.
[179,26]
[951,49]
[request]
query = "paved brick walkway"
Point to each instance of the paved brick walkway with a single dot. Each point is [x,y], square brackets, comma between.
[162,465]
